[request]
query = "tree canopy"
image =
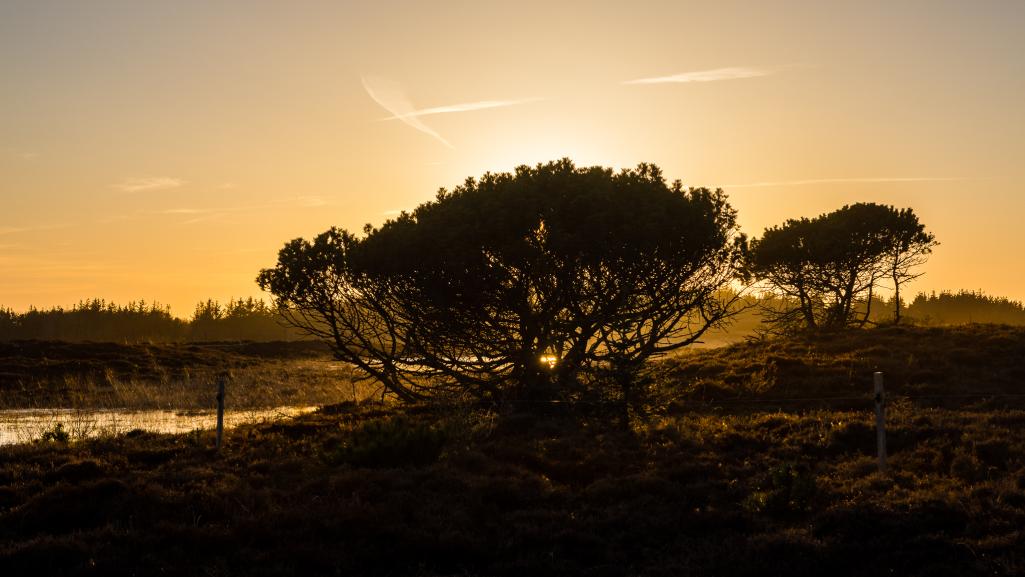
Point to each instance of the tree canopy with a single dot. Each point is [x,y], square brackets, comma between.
[538,282]
[829,264]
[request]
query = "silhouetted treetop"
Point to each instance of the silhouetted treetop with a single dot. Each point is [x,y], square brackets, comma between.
[539,279]
[829,264]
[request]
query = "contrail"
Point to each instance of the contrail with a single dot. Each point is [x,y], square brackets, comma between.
[390,96]
[464,107]
[717,74]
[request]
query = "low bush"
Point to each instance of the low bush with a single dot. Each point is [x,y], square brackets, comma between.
[786,489]
[56,434]
[393,442]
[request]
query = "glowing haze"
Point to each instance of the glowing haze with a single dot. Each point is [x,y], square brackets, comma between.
[166,150]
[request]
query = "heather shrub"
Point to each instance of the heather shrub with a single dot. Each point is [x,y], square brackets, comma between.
[393,442]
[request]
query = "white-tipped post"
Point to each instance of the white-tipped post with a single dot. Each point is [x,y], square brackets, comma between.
[880,400]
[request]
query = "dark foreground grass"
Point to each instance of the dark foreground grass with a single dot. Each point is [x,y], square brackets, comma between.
[980,365]
[419,492]
[378,490]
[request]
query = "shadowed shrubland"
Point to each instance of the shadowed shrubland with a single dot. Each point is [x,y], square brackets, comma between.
[686,488]
[973,364]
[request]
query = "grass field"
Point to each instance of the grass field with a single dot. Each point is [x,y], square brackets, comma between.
[40,374]
[728,469]
[975,365]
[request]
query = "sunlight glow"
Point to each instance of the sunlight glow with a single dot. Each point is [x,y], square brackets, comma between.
[179,173]
[549,360]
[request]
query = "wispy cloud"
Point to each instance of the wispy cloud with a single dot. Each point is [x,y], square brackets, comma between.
[392,97]
[464,107]
[867,180]
[183,211]
[205,217]
[28,155]
[714,75]
[7,230]
[148,184]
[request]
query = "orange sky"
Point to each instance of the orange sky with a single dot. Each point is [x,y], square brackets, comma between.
[166,150]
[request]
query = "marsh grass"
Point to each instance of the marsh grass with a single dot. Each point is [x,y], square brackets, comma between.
[170,377]
[73,425]
[92,390]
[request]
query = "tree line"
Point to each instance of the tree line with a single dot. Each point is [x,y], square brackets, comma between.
[964,307]
[101,321]
[139,321]
[945,308]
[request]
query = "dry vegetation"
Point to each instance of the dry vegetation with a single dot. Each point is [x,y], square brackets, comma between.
[977,365]
[694,485]
[41,374]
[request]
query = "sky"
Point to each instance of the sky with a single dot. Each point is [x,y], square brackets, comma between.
[166,150]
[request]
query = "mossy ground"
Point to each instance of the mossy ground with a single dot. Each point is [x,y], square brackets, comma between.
[460,490]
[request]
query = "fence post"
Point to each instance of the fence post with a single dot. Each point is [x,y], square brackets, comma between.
[880,400]
[221,379]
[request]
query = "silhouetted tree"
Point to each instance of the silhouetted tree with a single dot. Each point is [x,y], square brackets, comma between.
[533,283]
[317,290]
[8,324]
[909,247]
[830,264]
[205,319]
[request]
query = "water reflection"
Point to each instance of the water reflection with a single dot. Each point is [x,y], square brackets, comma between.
[25,425]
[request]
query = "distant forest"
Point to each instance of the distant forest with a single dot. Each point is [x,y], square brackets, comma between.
[254,320]
[964,307]
[934,309]
[101,321]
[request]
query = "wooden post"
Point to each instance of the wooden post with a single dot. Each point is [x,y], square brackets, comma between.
[880,400]
[220,408]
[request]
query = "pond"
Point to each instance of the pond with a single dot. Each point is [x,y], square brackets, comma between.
[25,425]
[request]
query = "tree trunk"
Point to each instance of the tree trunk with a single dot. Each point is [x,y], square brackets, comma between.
[896,299]
[625,375]
[868,306]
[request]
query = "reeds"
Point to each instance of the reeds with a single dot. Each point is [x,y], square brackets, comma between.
[171,391]
[267,384]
